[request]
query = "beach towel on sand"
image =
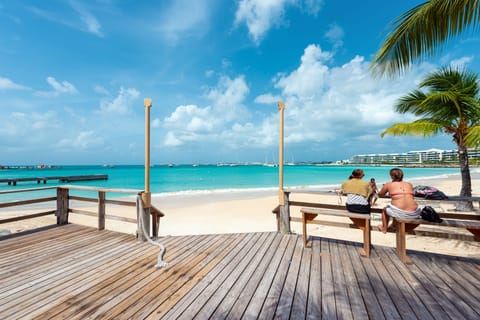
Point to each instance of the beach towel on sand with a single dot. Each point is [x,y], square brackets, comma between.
[428,192]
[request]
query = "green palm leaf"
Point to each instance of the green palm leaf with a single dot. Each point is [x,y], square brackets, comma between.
[420,31]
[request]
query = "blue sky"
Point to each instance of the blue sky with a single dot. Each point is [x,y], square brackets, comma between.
[73,76]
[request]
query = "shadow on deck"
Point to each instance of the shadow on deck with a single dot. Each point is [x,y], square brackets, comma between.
[76,272]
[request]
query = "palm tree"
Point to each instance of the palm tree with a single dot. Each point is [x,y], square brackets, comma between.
[450,104]
[420,31]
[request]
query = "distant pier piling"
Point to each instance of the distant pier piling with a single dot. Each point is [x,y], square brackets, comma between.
[89,177]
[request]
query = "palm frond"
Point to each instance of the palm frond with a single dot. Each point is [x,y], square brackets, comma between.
[420,31]
[422,127]
[472,139]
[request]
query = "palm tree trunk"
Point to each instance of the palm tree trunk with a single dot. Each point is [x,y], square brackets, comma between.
[466,190]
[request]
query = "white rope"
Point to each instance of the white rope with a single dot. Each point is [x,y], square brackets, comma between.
[160,262]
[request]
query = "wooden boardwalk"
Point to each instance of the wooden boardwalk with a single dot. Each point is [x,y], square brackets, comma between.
[76,272]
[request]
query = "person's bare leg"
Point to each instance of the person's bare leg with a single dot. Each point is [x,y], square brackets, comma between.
[385,218]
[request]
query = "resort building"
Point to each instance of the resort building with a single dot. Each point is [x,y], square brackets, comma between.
[430,156]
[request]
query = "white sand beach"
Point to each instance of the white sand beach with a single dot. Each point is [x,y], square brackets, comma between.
[247,212]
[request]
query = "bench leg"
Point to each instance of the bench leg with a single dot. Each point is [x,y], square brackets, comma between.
[401,231]
[306,218]
[364,225]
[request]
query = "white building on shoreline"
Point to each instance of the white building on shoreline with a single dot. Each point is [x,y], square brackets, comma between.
[415,157]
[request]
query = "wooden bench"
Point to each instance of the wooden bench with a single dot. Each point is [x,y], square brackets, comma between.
[404,226]
[361,221]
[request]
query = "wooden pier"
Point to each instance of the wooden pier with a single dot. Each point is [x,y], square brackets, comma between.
[76,272]
[13,181]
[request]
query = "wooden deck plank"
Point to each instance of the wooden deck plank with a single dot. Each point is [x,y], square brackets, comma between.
[260,295]
[221,270]
[286,298]
[194,286]
[273,296]
[45,262]
[300,299]
[353,288]
[238,298]
[411,288]
[197,270]
[370,299]
[138,282]
[329,310]
[376,280]
[314,306]
[339,284]
[222,283]
[448,286]
[391,280]
[95,274]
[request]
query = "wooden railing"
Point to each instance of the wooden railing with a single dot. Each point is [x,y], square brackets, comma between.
[63,206]
[284,218]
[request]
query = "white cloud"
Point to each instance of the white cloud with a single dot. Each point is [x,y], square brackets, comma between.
[184,18]
[341,103]
[101,90]
[267,98]
[156,123]
[91,23]
[84,140]
[64,87]
[335,35]
[120,104]
[86,22]
[462,62]
[261,15]
[310,76]
[191,123]
[7,84]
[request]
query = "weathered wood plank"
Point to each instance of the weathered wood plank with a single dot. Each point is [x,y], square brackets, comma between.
[273,297]
[135,284]
[339,284]
[196,272]
[214,276]
[196,305]
[237,299]
[260,295]
[448,286]
[314,306]
[82,273]
[356,305]
[286,298]
[329,309]
[370,300]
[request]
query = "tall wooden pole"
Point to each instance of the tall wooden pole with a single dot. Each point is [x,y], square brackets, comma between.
[147,102]
[281,198]
[143,209]
[284,206]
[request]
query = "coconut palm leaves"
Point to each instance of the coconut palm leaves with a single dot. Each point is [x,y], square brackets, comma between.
[446,101]
[420,31]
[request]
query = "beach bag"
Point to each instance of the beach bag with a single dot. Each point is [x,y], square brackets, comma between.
[428,192]
[429,214]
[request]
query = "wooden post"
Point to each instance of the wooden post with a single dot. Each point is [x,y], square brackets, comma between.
[285,214]
[143,219]
[101,210]
[62,206]
[282,195]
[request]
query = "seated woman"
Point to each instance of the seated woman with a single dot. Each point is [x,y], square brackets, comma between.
[402,203]
[357,192]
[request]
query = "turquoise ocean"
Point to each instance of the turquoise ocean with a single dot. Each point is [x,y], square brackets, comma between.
[210,179]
